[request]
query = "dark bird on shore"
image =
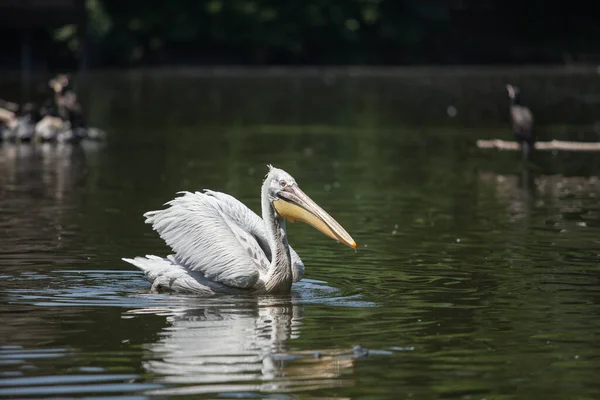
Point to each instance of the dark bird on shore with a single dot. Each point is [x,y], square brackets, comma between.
[65,100]
[522,122]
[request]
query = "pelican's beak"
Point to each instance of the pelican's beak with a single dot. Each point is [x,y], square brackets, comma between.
[294,205]
[57,84]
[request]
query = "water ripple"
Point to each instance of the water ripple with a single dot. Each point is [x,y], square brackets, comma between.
[474,277]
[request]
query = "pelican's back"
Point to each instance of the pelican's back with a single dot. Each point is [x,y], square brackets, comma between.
[206,240]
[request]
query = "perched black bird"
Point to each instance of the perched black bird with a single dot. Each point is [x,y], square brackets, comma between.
[522,122]
[66,104]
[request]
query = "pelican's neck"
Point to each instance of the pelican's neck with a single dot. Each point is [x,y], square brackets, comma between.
[279,277]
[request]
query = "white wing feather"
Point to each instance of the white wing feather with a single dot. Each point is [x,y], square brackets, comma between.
[250,222]
[205,239]
[166,274]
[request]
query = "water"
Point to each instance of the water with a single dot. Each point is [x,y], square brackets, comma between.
[474,278]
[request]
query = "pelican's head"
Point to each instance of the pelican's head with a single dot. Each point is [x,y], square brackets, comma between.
[294,205]
[59,83]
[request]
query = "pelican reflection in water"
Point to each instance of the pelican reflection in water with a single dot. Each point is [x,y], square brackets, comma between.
[211,348]
[221,246]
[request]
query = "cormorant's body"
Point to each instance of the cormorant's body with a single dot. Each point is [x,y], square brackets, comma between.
[522,122]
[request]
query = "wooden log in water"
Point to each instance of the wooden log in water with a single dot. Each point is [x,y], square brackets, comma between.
[552,145]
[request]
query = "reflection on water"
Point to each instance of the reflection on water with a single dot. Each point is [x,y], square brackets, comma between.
[217,345]
[51,170]
[572,198]
[240,348]
[475,278]
[38,190]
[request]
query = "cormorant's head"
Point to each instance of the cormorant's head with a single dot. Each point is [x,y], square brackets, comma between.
[514,94]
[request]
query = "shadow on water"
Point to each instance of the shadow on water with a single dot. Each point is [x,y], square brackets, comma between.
[474,277]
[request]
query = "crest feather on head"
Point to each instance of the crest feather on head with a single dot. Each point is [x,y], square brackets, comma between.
[267,174]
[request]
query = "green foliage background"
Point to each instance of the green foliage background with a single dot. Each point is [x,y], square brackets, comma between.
[259,32]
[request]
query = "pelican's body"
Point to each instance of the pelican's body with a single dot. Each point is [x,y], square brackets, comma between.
[221,246]
[49,127]
[6,115]
[8,120]
[22,126]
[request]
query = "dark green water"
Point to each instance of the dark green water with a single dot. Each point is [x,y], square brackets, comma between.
[474,278]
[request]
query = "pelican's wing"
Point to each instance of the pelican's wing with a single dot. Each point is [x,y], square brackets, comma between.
[25,127]
[205,239]
[167,274]
[69,100]
[6,115]
[238,212]
[250,222]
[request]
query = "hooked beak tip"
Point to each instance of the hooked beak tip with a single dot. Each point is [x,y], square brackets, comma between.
[353,244]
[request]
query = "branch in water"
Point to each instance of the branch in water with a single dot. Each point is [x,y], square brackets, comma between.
[552,145]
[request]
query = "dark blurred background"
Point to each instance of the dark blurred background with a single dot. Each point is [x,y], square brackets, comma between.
[68,34]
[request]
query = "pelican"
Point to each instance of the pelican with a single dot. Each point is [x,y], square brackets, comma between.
[221,246]
[8,120]
[21,127]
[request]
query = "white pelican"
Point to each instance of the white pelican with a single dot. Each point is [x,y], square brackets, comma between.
[221,246]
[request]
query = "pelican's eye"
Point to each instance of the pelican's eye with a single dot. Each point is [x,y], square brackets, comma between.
[282,183]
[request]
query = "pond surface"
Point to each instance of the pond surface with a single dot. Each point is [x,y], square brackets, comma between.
[475,277]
